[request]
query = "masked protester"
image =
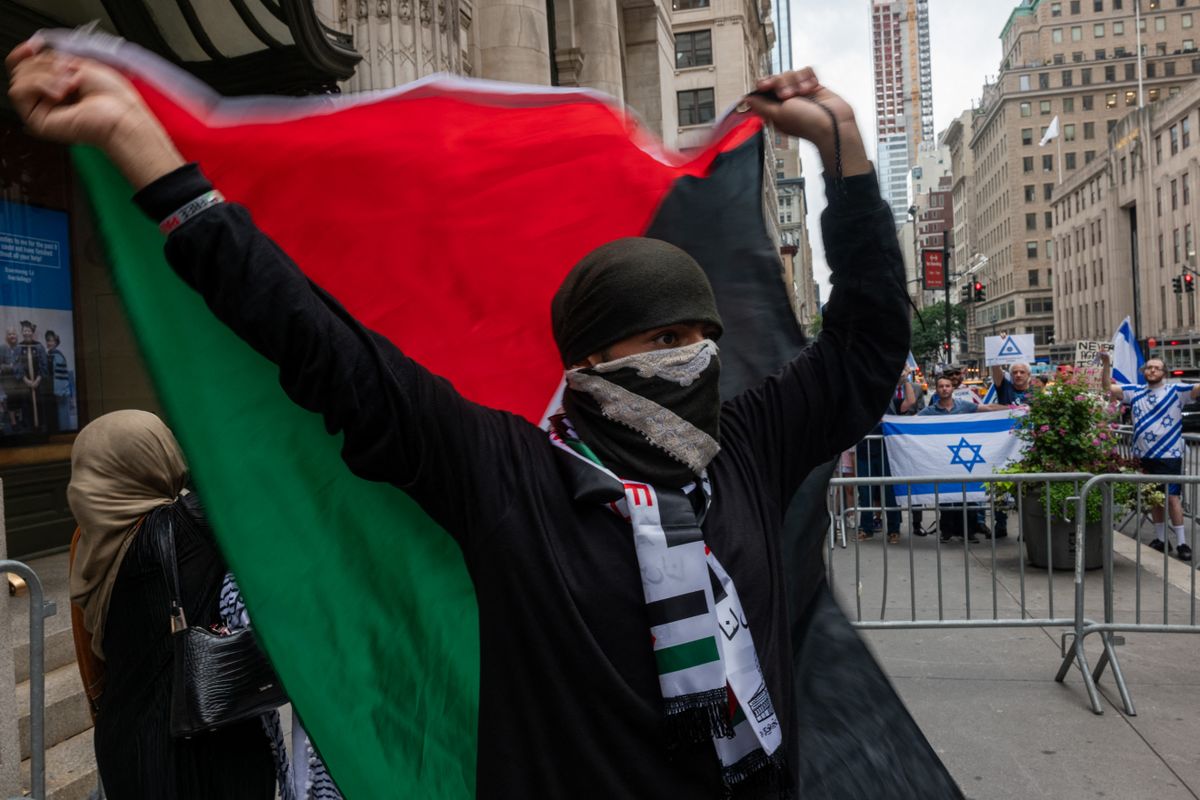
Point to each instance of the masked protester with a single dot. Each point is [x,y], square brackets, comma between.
[633,622]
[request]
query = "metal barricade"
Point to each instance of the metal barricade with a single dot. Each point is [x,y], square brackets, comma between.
[1110,624]
[39,610]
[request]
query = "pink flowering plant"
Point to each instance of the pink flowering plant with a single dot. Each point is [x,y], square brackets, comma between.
[1070,427]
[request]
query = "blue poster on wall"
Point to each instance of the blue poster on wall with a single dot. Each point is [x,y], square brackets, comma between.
[37,355]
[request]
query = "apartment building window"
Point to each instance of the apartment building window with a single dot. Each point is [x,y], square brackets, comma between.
[1097,5]
[1142,29]
[1031,222]
[1196,66]
[1024,83]
[1158,149]
[1189,245]
[1100,54]
[1027,164]
[1089,102]
[1068,78]
[1160,24]
[1069,132]
[1175,244]
[1189,45]
[1069,161]
[1085,76]
[1130,97]
[1089,130]
[1026,135]
[696,107]
[1076,33]
[1174,139]
[1056,35]
[1074,6]
[1089,156]
[1049,253]
[1158,201]
[1174,195]
[1124,164]
[1185,21]
[1026,110]
[1169,69]
[1042,334]
[1038,305]
[1160,251]
[1171,92]
[1056,9]
[1185,130]
[1068,105]
[1077,56]
[1043,80]
[1116,5]
[1110,74]
[1047,220]
[1160,48]
[1031,250]
[693,49]
[1030,193]
[1047,163]
[1118,28]
[1151,67]
[1044,108]
[1047,191]
[1131,72]
[1110,100]
[1186,187]
[1098,30]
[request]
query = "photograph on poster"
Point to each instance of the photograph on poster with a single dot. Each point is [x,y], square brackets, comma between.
[37,354]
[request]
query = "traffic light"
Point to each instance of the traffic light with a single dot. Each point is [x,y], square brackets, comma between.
[980,292]
[964,294]
[1189,282]
[1177,284]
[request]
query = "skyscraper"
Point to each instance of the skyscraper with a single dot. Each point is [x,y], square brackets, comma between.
[781,54]
[903,93]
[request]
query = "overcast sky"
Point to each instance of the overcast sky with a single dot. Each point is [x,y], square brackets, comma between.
[835,39]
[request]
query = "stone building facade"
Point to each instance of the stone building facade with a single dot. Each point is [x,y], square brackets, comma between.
[1075,60]
[1126,226]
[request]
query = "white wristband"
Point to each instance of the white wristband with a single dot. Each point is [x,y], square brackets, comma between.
[191,209]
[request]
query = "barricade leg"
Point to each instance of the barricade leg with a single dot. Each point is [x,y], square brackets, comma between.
[1077,656]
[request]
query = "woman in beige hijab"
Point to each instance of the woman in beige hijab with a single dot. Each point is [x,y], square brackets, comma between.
[127,487]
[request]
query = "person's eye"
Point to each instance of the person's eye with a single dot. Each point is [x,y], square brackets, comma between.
[667,338]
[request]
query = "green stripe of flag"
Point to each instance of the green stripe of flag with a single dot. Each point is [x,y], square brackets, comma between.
[686,655]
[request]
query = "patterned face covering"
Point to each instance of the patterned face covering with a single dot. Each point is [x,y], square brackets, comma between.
[654,416]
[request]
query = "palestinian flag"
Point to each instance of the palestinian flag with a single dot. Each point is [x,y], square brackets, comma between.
[444,215]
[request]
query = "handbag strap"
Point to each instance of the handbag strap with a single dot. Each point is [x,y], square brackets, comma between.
[170,567]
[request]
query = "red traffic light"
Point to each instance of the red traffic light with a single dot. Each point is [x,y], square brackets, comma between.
[978,286]
[1175,373]
[1189,278]
[1173,342]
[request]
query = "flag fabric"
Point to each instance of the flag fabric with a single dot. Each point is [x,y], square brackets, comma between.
[444,215]
[1051,133]
[971,445]
[990,396]
[1126,355]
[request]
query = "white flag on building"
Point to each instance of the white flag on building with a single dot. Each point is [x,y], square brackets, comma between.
[1051,133]
[970,445]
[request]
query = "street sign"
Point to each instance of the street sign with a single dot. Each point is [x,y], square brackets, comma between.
[934,269]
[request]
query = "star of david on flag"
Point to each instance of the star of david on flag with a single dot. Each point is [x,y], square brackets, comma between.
[927,449]
[973,451]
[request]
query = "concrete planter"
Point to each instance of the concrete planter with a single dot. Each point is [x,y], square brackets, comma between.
[1061,550]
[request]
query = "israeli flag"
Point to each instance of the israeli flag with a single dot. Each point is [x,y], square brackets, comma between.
[971,445]
[990,397]
[1126,356]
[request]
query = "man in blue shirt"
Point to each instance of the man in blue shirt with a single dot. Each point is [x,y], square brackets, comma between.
[1012,389]
[1157,409]
[951,518]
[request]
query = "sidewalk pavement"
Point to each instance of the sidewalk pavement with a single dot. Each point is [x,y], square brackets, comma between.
[987,699]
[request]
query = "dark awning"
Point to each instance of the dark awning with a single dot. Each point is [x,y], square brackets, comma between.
[236,46]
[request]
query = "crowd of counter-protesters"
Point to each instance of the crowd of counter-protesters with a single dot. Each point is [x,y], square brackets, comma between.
[1154,410]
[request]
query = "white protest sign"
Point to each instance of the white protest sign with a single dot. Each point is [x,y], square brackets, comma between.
[1003,350]
[1086,352]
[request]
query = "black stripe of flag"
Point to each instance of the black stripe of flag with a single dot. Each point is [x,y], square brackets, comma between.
[673,609]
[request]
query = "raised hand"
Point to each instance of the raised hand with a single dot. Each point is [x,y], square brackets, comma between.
[80,101]
[802,107]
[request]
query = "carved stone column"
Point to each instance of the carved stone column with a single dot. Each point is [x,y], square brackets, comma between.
[514,42]
[401,40]
[598,36]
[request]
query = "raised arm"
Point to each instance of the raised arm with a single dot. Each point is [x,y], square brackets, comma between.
[1107,387]
[836,390]
[401,424]
[997,376]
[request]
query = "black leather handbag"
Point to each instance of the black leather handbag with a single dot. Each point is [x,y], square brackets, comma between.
[219,678]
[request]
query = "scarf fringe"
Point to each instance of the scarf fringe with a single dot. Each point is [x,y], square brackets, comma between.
[698,717]
[758,775]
